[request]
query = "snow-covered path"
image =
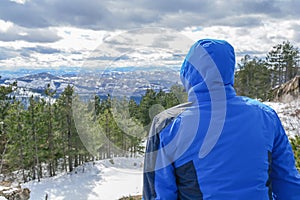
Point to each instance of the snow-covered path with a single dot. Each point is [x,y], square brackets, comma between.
[99,181]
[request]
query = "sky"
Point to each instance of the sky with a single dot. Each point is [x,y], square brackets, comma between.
[56,33]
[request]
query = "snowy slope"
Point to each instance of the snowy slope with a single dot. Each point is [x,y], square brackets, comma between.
[101,180]
[289,114]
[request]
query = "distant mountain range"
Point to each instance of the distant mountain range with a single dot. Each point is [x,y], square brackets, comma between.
[21,72]
[117,82]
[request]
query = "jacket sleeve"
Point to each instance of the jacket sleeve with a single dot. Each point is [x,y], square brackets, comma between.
[284,175]
[159,178]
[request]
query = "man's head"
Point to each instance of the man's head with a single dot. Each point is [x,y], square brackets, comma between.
[206,59]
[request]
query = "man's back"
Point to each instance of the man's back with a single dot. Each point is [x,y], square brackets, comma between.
[222,147]
[238,166]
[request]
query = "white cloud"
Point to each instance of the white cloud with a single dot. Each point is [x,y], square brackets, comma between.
[78,39]
[19,1]
[255,41]
[5,25]
[12,32]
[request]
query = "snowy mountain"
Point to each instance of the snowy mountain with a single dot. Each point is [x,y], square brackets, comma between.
[37,83]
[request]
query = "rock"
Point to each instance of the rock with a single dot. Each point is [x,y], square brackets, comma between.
[288,91]
[138,197]
[16,193]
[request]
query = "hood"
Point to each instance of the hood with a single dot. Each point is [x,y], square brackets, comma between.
[209,66]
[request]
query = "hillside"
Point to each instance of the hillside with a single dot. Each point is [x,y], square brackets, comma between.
[101,180]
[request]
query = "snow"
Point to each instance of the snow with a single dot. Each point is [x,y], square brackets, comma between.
[11,190]
[101,180]
[289,114]
[3,188]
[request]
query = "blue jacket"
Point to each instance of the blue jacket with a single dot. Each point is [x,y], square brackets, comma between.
[220,146]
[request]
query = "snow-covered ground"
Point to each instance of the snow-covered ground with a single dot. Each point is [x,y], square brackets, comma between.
[102,180]
[289,114]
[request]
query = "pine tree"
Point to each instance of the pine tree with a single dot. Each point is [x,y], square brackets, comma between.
[283,60]
[67,126]
[253,78]
[148,100]
[106,123]
[178,95]
[17,150]
[133,109]
[33,116]
[87,124]
[130,131]
[50,124]
[4,107]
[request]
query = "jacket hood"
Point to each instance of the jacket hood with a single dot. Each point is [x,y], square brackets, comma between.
[208,66]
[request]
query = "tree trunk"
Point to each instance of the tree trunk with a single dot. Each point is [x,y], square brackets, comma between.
[108,136]
[50,141]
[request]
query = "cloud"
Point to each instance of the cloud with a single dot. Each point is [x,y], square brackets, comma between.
[29,14]
[241,21]
[260,54]
[20,1]
[41,50]
[108,58]
[40,35]
[43,13]
[296,32]
[4,25]
[266,7]
[7,53]
[140,47]
[26,52]
[108,15]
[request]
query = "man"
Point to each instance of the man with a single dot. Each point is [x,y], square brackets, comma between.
[219,146]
